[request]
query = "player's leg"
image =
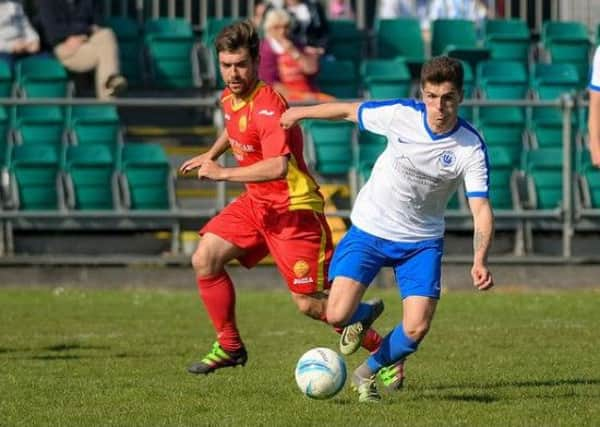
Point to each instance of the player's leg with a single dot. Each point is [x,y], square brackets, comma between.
[418,276]
[229,235]
[356,262]
[315,306]
[218,295]
[302,248]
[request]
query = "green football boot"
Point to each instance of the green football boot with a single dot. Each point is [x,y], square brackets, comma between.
[353,334]
[218,358]
[392,376]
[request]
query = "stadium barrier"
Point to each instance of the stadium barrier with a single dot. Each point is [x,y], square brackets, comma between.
[522,220]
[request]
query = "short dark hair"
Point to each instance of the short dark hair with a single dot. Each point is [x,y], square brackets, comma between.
[239,35]
[441,69]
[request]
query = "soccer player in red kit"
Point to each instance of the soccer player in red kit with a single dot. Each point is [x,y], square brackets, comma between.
[280,213]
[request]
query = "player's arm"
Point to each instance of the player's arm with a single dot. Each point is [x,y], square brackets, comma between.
[483,222]
[220,145]
[594,126]
[264,170]
[327,111]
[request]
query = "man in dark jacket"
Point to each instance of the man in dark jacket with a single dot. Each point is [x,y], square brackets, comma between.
[80,44]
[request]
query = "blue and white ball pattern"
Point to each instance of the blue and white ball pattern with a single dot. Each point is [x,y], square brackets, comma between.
[320,373]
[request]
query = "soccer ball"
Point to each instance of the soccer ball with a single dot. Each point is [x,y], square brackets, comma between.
[320,373]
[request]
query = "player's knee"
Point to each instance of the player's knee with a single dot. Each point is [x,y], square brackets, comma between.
[202,263]
[336,317]
[416,331]
[309,306]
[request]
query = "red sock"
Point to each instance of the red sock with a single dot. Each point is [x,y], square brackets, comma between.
[370,342]
[218,295]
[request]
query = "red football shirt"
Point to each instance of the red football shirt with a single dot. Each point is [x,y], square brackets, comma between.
[255,134]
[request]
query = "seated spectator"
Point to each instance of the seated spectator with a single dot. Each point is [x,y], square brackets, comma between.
[17,36]
[288,67]
[309,24]
[71,28]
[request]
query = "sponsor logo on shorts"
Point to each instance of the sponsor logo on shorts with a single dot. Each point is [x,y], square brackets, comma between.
[303,281]
[301,269]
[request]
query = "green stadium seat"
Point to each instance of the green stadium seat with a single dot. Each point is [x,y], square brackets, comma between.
[91,178]
[550,82]
[370,146]
[502,168]
[468,91]
[4,137]
[130,43]
[588,177]
[457,38]
[338,78]
[543,174]
[97,125]
[507,136]
[107,113]
[6,80]
[35,178]
[146,177]
[568,42]
[401,37]
[502,80]
[385,78]
[41,77]
[508,39]
[346,41]
[330,147]
[171,53]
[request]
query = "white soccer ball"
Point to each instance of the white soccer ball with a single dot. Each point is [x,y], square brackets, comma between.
[320,373]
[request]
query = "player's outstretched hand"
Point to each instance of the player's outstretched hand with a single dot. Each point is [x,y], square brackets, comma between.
[193,163]
[482,278]
[289,118]
[210,170]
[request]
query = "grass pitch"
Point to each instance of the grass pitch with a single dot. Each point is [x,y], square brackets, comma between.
[73,357]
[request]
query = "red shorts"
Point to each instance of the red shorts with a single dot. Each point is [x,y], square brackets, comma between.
[299,241]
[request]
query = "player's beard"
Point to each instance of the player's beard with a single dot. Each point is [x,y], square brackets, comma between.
[241,88]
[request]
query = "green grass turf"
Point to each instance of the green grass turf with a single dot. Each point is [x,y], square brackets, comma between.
[82,357]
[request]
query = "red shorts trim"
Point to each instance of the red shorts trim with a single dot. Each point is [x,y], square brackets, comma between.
[299,241]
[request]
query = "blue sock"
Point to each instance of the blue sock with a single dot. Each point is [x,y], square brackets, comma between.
[363,311]
[394,347]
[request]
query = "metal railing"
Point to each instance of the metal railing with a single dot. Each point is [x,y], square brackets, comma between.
[565,215]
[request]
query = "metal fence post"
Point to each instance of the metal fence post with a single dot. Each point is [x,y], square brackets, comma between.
[567,232]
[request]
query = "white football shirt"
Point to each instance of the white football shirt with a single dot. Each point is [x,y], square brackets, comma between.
[412,180]
[595,73]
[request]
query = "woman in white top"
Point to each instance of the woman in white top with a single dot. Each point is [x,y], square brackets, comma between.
[17,35]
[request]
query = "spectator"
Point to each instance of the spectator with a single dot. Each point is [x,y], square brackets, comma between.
[340,9]
[390,9]
[309,24]
[288,67]
[72,30]
[17,36]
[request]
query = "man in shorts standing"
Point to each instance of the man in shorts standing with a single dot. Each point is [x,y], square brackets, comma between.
[398,216]
[280,213]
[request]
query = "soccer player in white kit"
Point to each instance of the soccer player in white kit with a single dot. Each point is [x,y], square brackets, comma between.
[398,216]
[594,111]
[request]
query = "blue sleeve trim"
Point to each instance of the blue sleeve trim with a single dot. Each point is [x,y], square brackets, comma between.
[594,87]
[482,194]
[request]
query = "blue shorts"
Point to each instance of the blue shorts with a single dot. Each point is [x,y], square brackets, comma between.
[417,265]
